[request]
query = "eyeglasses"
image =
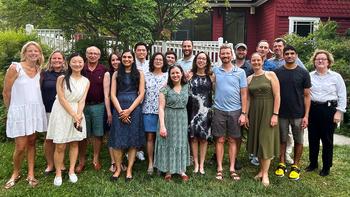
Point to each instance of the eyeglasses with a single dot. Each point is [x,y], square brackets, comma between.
[321,59]
[159,60]
[202,58]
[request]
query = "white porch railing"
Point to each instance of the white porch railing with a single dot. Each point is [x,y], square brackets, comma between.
[209,47]
[54,38]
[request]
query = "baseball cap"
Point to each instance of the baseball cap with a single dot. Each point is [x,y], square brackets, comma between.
[241,45]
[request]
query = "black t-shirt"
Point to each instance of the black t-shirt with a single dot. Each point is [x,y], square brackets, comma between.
[292,85]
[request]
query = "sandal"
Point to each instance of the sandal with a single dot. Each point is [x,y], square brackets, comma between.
[12,182]
[219,175]
[167,177]
[234,176]
[112,168]
[79,169]
[32,181]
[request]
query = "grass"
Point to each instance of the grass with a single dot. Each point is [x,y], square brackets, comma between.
[93,183]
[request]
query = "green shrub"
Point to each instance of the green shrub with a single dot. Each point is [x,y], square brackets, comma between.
[11,43]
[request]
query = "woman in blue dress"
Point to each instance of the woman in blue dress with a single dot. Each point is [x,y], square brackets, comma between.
[127,93]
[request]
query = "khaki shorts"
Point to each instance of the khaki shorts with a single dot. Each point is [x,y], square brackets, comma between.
[226,124]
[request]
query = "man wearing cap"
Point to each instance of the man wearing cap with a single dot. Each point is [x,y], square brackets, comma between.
[241,61]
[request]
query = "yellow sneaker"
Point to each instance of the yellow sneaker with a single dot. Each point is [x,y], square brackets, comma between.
[281,169]
[294,173]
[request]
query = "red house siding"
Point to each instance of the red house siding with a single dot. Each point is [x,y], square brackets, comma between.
[251,33]
[266,24]
[336,10]
[218,23]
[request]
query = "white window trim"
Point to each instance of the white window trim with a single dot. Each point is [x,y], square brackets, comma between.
[292,19]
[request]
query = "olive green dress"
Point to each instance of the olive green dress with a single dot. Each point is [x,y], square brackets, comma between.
[263,140]
[172,154]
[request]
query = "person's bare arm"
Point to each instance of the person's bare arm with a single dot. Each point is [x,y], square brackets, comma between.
[106,92]
[10,77]
[276,97]
[161,110]
[307,103]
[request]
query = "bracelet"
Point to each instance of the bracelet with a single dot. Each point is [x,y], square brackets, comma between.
[244,113]
[275,114]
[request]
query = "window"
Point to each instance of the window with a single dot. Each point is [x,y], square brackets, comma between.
[234,26]
[303,26]
[198,28]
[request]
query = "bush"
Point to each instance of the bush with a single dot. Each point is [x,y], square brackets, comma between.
[11,43]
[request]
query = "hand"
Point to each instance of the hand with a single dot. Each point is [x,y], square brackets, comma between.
[274,120]
[163,132]
[77,118]
[109,118]
[337,117]
[304,122]
[246,125]
[126,120]
[124,114]
[242,120]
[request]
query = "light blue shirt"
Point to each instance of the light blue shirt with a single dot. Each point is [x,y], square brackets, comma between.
[281,62]
[228,87]
[186,65]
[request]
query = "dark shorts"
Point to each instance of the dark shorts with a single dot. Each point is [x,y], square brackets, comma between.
[226,124]
[297,130]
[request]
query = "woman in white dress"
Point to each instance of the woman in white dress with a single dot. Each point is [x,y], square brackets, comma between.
[26,111]
[67,124]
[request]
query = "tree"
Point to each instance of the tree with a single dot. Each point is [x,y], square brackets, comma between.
[127,20]
[170,13]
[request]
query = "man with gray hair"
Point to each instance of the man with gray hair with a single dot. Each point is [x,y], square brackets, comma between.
[94,108]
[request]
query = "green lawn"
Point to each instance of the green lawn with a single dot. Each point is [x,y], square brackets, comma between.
[93,183]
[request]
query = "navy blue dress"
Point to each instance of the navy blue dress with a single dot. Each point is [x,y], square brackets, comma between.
[124,135]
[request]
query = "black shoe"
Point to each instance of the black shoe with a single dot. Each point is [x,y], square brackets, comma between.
[311,168]
[128,179]
[238,165]
[113,178]
[324,172]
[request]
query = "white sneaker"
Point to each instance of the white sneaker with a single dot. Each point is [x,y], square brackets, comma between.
[57,181]
[289,159]
[73,178]
[255,161]
[140,155]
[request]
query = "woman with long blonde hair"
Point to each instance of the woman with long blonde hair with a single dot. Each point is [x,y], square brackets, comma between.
[26,111]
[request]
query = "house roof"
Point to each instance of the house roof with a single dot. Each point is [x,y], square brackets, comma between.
[236,3]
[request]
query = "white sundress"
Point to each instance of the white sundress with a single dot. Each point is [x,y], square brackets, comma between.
[61,124]
[26,114]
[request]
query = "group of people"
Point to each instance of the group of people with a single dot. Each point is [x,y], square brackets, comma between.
[170,106]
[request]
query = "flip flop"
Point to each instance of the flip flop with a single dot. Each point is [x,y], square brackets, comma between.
[234,176]
[219,175]
[32,181]
[12,182]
